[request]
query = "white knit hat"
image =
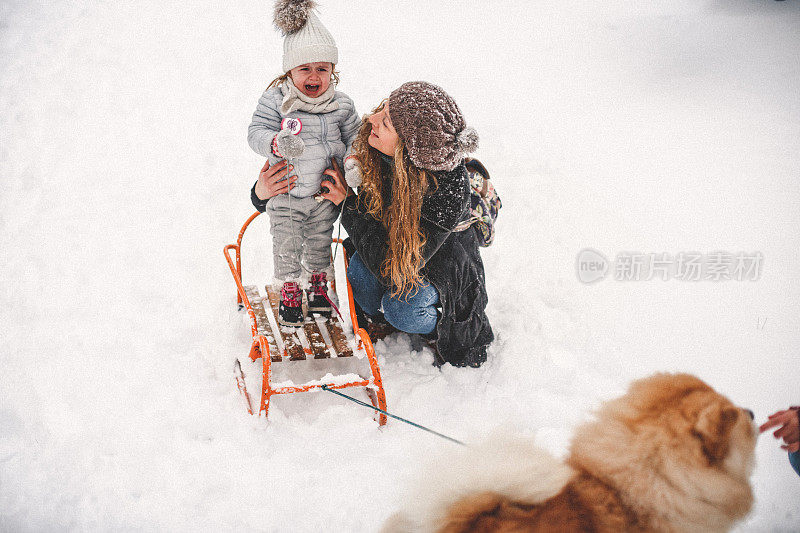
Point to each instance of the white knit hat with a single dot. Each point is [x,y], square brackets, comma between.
[307,40]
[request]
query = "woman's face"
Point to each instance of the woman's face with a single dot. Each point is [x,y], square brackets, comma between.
[313,79]
[383,136]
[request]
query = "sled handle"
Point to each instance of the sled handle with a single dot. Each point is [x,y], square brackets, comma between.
[238,248]
[241,296]
[353,317]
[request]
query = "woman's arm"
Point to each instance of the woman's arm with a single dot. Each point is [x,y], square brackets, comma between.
[444,209]
[368,235]
[434,238]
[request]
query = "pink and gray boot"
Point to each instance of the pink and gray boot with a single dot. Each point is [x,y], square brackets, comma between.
[290,311]
[318,300]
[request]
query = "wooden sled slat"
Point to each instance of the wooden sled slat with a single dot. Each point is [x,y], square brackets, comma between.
[262,322]
[339,338]
[318,344]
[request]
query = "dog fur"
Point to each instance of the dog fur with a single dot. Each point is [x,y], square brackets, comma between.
[670,455]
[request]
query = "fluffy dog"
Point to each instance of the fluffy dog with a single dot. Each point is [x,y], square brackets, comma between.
[670,455]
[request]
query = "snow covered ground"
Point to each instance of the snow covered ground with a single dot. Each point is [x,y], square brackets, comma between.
[621,126]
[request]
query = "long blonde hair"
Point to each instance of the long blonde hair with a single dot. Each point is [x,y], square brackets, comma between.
[285,76]
[401,217]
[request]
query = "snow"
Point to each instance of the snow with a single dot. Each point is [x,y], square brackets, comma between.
[327,379]
[619,126]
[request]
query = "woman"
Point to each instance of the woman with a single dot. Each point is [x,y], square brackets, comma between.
[409,263]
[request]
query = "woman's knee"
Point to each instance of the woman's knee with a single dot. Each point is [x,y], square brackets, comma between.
[359,275]
[355,267]
[409,316]
[367,290]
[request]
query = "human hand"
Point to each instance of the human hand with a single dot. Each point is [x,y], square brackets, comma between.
[272,180]
[290,146]
[336,191]
[789,429]
[352,172]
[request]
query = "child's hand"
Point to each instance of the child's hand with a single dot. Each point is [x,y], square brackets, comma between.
[289,146]
[272,180]
[352,172]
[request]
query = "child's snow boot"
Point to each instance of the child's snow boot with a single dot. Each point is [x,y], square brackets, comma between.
[318,301]
[290,311]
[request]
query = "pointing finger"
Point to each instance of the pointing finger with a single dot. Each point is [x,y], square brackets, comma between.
[769,424]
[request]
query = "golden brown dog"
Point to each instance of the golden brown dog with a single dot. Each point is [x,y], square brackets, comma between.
[670,455]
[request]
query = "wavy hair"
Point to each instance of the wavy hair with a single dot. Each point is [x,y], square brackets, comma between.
[401,217]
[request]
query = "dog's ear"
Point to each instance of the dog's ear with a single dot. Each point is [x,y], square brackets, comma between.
[713,427]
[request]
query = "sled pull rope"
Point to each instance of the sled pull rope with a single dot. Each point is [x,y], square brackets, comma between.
[387,413]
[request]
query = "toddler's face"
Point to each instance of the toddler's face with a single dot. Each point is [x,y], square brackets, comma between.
[383,136]
[312,79]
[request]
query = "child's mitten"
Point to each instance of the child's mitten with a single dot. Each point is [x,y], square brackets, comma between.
[289,146]
[352,172]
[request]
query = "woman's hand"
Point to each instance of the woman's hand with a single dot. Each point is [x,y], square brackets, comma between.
[272,180]
[337,191]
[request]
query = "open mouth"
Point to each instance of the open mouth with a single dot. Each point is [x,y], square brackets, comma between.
[311,88]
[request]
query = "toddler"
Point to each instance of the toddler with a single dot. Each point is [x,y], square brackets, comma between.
[303,119]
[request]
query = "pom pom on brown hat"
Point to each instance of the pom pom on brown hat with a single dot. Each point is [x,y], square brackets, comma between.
[467,140]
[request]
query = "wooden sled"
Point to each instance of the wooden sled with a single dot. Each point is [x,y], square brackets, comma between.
[318,338]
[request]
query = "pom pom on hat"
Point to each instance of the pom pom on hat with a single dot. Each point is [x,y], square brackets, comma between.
[292,15]
[467,140]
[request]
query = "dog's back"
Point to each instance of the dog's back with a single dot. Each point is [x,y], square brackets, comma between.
[475,479]
[584,504]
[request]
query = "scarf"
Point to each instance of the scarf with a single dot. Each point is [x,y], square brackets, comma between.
[295,100]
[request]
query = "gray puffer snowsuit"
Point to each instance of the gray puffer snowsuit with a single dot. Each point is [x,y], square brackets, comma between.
[302,228]
[325,135]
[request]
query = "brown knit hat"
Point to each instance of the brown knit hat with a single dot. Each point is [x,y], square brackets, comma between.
[431,126]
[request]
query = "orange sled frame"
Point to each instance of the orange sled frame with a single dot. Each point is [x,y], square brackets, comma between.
[260,346]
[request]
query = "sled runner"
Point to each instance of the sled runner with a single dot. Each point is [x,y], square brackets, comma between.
[318,338]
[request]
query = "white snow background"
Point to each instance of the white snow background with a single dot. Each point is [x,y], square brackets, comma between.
[124,170]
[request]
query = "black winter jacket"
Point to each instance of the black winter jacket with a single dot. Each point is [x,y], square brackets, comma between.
[452,264]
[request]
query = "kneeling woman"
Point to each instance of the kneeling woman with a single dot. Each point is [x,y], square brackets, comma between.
[409,263]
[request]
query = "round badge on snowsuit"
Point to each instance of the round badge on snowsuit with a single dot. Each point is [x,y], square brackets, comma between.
[294,125]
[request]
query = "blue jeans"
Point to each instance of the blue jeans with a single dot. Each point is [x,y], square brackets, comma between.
[794,459]
[415,314]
